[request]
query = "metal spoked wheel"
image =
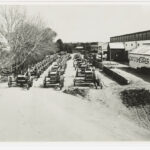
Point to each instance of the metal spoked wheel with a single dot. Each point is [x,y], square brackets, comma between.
[61,85]
[95,85]
[9,84]
[44,84]
[27,86]
[101,85]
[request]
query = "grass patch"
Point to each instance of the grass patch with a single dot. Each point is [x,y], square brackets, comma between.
[135,97]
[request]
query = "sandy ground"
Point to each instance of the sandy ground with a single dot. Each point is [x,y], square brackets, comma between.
[46,114]
[140,115]
[124,70]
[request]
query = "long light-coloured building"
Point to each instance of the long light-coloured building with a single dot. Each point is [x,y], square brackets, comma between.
[131,41]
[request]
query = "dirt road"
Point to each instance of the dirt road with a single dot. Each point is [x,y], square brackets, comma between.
[45,114]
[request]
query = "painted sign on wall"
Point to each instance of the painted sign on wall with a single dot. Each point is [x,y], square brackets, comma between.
[139,61]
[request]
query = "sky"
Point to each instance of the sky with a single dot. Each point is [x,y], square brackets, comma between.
[89,23]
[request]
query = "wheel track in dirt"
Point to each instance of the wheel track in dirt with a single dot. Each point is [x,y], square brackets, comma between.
[140,120]
[147,115]
[142,116]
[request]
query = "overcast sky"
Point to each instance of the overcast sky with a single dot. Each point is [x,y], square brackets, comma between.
[93,22]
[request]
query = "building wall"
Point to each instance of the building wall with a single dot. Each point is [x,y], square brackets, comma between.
[139,61]
[132,41]
[144,42]
[134,44]
[130,45]
[103,47]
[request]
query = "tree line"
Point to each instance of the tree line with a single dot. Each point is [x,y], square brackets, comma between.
[29,39]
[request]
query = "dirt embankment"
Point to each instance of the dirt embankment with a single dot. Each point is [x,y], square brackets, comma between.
[109,98]
[132,103]
[137,100]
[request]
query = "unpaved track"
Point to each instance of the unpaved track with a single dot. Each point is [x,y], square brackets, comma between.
[69,74]
[45,114]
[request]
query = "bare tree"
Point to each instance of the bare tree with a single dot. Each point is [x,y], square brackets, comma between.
[29,39]
[10,18]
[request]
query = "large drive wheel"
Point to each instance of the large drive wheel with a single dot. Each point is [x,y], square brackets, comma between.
[101,85]
[21,85]
[31,83]
[28,86]
[9,84]
[77,73]
[44,84]
[95,85]
[61,84]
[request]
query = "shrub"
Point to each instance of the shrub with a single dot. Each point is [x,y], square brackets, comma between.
[135,97]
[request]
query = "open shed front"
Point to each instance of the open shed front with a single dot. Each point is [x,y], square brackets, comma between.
[140,57]
[116,52]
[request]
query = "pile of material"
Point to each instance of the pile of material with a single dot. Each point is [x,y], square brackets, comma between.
[118,76]
[76,92]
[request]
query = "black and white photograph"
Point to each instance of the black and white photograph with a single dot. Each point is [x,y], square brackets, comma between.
[74,72]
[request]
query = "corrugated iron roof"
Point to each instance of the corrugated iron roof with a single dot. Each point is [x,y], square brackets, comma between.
[131,33]
[118,45]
